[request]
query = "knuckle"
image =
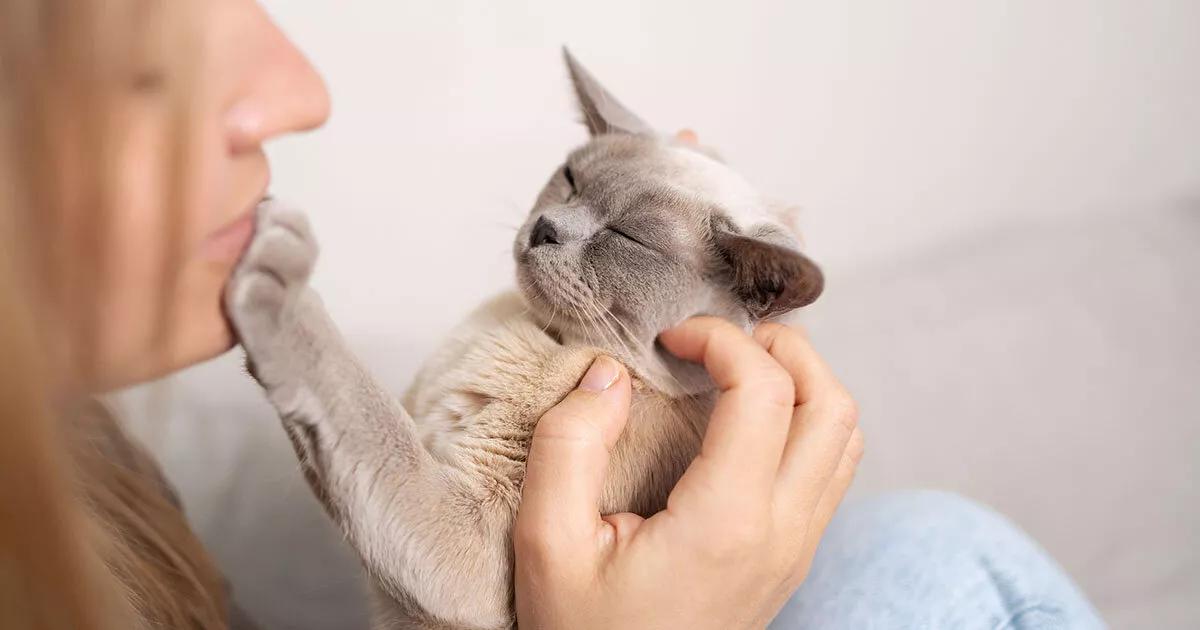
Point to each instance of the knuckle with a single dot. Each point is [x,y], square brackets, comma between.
[783,339]
[556,418]
[766,333]
[856,447]
[845,412]
[559,424]
[722,332]
[717,323]
[776,385]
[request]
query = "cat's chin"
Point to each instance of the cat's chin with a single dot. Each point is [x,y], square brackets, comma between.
[558,328]
[551,314]
[539,295]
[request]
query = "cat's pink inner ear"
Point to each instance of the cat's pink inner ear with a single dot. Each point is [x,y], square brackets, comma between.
[687,136]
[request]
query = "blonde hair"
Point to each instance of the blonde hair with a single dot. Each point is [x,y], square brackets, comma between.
[89,536]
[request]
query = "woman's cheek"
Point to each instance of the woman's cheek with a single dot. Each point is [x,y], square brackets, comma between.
[160,308]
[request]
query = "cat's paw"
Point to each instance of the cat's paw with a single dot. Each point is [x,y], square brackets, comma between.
[272,275]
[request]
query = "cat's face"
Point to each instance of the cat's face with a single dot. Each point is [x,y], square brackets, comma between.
[637,231]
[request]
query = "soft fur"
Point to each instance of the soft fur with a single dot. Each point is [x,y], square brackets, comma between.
[634,233]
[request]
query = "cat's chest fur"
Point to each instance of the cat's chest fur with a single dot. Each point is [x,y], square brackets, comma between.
[478,398]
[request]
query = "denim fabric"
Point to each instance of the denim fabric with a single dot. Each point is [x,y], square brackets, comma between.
[932,560]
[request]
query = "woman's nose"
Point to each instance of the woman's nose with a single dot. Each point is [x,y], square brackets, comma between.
[280,90]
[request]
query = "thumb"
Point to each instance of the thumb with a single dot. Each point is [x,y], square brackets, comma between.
[564,471]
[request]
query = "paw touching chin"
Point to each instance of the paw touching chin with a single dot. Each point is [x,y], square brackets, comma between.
[270,278]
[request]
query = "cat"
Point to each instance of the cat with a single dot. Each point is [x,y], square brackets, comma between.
[634,233]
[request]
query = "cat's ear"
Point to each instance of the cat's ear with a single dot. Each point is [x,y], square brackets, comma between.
[601,112]
[770,279]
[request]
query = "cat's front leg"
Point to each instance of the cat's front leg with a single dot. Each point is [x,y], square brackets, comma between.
[296,353]
[408,515]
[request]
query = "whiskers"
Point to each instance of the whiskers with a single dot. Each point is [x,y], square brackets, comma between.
[516,221]
[531,289]
[585,319]
[617,337]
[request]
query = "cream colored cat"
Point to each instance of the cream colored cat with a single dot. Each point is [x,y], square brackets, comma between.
[634,233]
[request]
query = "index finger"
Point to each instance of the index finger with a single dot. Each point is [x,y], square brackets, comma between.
[824,420]
[791,349]
[749,423]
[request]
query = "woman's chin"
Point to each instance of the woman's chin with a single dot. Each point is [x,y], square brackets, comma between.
[153,366]
[218,341]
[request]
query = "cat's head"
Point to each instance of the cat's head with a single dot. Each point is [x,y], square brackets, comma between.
[637,231]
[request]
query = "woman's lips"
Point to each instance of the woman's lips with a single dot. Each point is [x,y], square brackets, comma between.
[228,243]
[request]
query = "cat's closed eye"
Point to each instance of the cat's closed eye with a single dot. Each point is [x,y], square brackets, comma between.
[570,177]
[626,235]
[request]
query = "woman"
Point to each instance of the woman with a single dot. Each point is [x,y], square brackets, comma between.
[131,159]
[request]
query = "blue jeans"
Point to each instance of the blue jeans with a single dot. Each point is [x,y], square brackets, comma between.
[932,560]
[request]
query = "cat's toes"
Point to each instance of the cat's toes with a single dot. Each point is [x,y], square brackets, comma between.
[272,272]
[283,245]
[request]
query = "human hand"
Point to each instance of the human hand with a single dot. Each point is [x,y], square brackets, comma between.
[740,528]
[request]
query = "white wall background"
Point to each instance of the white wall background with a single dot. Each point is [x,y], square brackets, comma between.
[984,182]
[898,125]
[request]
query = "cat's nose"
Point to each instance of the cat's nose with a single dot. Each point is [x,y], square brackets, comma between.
[543,233]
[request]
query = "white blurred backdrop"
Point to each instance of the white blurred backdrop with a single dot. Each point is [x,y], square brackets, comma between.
[1005,196]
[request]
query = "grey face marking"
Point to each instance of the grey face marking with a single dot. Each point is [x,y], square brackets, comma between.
[636,232]
[611,244]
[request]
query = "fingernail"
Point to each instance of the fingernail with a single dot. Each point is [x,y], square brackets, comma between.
[604,372]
